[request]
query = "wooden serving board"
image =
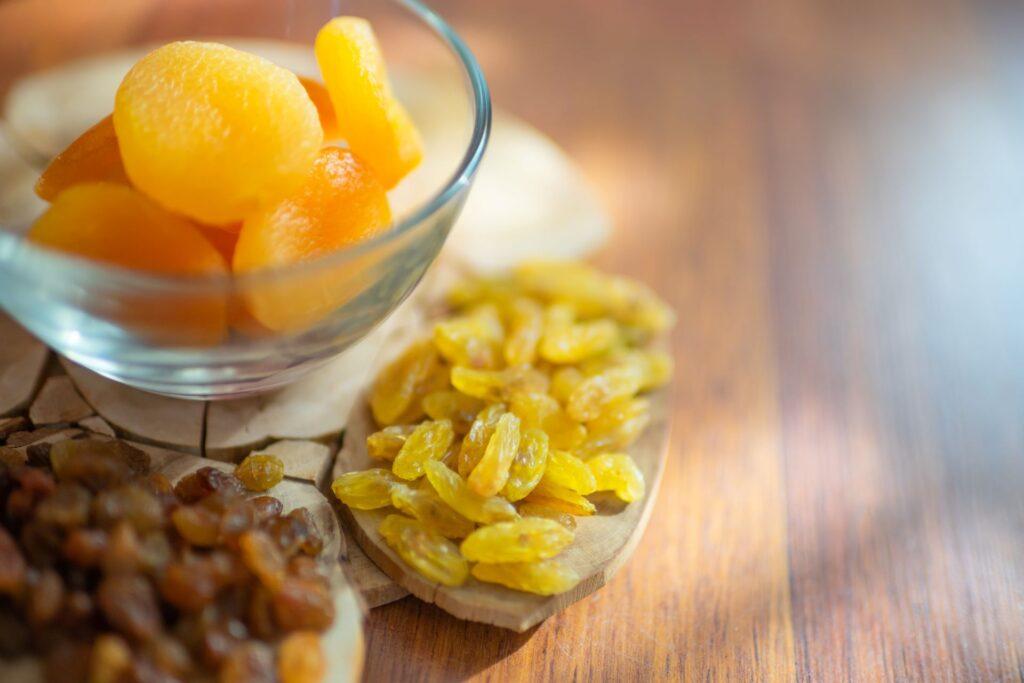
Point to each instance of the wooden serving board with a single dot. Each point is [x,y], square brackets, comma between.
[602,545]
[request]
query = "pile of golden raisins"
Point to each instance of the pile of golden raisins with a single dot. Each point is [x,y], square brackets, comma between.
[499,426]
[109,573]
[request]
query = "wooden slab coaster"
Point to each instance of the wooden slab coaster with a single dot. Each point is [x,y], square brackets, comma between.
[603,541]
[313,407]
[58,401]
[22,360]
[138,414]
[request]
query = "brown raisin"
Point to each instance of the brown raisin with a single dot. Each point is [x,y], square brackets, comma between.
[45,597]
[263,558]
[129,604]
[189,587]
[265,508]
[85,547]
[197,524]
[123,554]
[129,502]
[302,604]
[248,663]
[67,507]
[12,565]
[207,480]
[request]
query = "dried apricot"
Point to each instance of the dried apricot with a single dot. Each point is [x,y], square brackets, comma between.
[429,441]
[617,472]
[365,489]
[321,99]
[371,120]
[116,224]
[93,157]
[431,554]
[338,203]
[212,132]
[453,490]
[523,540]
[547,577]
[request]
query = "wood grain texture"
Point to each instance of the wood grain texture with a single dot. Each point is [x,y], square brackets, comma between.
[830,194]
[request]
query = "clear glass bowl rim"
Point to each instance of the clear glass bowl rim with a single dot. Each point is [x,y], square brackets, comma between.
[54,262]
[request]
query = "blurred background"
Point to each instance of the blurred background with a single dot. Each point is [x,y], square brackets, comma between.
[831,194]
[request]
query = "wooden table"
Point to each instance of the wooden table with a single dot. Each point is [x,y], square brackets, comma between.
[831,194]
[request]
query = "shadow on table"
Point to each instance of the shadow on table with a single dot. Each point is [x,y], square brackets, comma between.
[440,648]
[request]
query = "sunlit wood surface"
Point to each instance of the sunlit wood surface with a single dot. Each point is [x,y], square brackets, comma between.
[832,196]
[831,193]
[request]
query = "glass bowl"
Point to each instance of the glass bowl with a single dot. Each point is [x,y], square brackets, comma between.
[168,335]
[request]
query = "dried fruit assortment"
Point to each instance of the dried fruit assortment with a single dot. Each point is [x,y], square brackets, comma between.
[110,573]
[213,162]
[495,430]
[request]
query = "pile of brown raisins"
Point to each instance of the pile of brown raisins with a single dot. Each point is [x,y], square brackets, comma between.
[108,573]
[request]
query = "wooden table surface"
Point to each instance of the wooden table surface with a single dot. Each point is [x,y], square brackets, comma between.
[831,194]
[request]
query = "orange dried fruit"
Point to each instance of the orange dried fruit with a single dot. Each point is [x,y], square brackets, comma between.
[373,122]
[93,157]
[212,132]
[116,224]
[339,203]
[321,99]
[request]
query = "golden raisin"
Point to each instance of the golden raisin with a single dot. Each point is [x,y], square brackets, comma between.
[491,473]
[260,471]
[547,577]
[429,441]
[528,466]
[430,554]
[523,540]
[617,472]
[365,489]
[453,490]
[424,504]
